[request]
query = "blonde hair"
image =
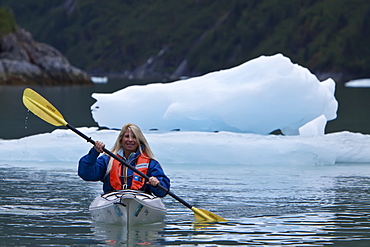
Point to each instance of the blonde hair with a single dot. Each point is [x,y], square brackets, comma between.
[147,152]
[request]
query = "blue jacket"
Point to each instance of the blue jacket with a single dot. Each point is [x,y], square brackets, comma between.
[91,167]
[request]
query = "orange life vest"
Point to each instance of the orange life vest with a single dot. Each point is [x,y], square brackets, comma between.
[137,182]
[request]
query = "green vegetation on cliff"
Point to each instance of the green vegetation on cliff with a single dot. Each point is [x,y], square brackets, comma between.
[7,22]
[327,36]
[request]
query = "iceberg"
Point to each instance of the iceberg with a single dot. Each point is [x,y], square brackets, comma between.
[263,95]
[222,117]
[358,83]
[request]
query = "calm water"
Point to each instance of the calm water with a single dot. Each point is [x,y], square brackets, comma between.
[72,101]
[46,204]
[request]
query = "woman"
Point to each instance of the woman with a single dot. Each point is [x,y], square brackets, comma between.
[132,147]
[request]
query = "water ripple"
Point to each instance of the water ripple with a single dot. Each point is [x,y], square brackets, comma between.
[50,207]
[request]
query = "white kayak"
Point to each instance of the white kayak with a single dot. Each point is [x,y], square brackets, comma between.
[127,207]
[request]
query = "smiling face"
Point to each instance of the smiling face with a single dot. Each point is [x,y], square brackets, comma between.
[129,142]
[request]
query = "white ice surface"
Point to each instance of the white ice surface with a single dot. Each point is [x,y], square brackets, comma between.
[200,147]
[359,83]
[260,96]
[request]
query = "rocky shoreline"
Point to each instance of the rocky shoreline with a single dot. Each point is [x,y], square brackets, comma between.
[24,61]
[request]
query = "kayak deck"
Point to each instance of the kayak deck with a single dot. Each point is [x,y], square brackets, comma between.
[127,207]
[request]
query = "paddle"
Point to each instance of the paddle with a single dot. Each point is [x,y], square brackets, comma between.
[47,112]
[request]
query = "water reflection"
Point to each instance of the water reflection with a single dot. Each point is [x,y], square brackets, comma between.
[48,205]
[291,230]
[136,235]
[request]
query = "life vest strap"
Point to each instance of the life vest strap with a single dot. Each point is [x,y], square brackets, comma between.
[137,182]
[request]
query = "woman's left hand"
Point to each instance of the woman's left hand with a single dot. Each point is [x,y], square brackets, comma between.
[153,181]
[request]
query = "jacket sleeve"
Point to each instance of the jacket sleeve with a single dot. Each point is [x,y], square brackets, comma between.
[92,168]
[156,170]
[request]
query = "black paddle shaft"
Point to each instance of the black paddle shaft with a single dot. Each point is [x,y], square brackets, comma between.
[88,139]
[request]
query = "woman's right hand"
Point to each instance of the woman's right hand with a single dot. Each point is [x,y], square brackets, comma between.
[99,146]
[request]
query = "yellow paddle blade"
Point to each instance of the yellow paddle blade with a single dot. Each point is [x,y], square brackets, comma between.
[42,108]
[202,215]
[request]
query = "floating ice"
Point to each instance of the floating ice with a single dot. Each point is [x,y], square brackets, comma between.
[358,83]
[260,96]
[199,148]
